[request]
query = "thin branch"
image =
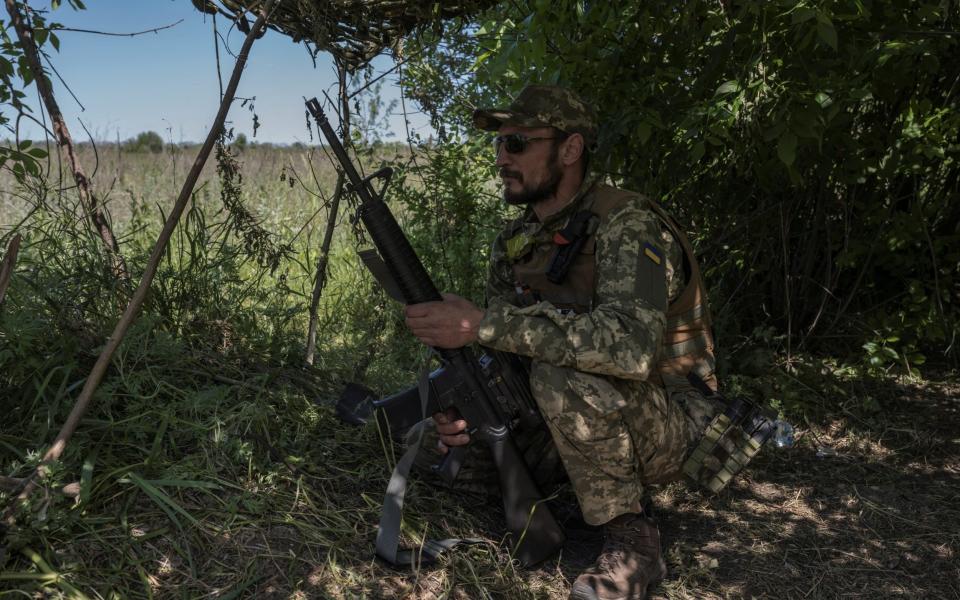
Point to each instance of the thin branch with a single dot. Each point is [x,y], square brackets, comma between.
[216,53]
[110,33]
[63,81]
[139,296]
[7,265]
[321,276]
[397,64]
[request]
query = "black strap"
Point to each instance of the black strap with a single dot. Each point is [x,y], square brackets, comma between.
[570,241]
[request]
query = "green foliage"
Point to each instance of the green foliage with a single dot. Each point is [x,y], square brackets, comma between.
[19,157]
[451,213]
[146,141]
[811,147]
[240,142]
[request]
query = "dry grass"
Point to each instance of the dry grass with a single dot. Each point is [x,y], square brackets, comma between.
[879,519]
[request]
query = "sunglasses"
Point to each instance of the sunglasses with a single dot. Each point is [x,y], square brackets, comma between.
[515,143]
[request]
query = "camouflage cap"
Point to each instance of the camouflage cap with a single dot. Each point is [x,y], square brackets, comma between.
[543,106]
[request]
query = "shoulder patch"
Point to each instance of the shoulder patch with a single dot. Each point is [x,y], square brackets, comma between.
[652,277]
[653,253]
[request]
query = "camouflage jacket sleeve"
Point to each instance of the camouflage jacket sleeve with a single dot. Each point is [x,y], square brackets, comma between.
[620,337]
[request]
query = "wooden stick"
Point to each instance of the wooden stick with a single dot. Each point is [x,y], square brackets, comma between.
[130,314]
[9,484]
[321,279]
[7,264]
[87,198]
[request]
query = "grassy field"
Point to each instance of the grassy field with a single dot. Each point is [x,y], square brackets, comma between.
[212,465]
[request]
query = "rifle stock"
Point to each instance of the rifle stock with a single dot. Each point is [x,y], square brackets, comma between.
[535,533]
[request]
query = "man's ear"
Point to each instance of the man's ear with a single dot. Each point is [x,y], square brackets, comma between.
[572,149]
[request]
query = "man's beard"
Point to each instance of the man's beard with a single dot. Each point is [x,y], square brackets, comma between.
[527,195]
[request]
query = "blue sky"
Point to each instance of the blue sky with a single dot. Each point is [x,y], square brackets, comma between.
[167,81]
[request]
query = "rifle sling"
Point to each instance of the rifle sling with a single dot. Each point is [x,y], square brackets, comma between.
[388,533]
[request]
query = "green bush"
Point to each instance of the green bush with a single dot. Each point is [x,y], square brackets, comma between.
[810,148]
[147,141]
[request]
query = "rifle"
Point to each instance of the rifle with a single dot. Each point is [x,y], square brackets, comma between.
[468,388]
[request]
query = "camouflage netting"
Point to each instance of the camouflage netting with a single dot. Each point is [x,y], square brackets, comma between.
[354,31]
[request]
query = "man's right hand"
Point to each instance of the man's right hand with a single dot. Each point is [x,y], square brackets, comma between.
[452,430]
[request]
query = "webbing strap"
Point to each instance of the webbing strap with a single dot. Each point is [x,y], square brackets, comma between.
[690,346]
[388,533]
[686,318]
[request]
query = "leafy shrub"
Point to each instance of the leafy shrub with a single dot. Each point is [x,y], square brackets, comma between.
[810,147]
[147,141]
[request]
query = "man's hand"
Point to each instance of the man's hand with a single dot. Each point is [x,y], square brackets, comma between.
[452,323]
[451,429]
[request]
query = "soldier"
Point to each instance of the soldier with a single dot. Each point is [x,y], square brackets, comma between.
[611,331]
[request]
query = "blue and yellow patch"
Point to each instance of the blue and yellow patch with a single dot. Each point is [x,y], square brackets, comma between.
[653,253]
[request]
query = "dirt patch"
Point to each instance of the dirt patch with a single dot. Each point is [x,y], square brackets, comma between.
[860,508]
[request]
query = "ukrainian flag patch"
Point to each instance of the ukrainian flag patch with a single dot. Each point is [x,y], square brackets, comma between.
[653,253]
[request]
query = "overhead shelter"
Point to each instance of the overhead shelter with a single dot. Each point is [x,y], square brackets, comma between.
[353,31]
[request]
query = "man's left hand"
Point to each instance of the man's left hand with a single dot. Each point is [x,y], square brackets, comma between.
[449,324]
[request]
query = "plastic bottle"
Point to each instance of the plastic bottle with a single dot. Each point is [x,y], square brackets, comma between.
[783,435]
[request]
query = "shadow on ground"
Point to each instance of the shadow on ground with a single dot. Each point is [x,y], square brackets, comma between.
[857,509]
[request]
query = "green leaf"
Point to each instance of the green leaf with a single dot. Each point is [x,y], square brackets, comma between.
[86,477]
[161,498]
[787,148]
[803,14]
[826,32]
[643,132]
[728,87]
[699,149]
[26,73]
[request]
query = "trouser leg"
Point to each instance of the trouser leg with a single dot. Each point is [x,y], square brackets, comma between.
[478,473]
[613,437]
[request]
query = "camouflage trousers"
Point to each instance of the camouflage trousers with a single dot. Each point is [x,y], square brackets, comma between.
[610,437]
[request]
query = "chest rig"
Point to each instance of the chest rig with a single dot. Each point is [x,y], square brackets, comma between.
[561,269]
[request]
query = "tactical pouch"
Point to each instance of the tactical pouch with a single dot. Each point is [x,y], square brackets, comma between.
[731,440]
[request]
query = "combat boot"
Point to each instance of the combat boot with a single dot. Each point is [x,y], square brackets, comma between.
[630,561]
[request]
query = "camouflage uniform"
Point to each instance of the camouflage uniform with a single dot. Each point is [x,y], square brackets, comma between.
[614,430]
[593,372]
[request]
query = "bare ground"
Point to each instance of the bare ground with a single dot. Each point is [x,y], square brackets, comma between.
[860,508]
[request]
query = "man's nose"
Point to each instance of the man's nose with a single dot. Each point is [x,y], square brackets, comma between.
[501,158]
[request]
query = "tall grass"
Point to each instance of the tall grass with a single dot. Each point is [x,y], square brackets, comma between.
[211,463]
